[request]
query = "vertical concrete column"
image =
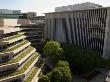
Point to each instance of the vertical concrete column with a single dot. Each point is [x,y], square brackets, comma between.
[106,48]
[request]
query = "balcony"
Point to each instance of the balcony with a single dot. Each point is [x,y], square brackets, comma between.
[18,60]
[33,75]
[15,49]
[22,72]
[12,39]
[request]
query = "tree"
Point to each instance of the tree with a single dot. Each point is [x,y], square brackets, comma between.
[62,72]
[57,75]
[45,78]
[81,61]
[62,64]
[53,51]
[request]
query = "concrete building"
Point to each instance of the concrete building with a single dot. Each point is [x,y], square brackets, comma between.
[88,28]
[7,11]
[34,33]
[18,59]
[31,14]
[38,19]
[81,6]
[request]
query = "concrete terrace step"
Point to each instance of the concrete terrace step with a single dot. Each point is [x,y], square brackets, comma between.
[15,64]
[15,51]
[21,73]
[12,40]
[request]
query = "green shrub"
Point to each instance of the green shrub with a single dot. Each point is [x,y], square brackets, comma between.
[53,51]
[62,64]
[107,63]
[57,75]
[61,73]
[82,61]
[44,78]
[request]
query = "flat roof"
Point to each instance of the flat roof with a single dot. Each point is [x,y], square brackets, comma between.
[78,10]
[5,30]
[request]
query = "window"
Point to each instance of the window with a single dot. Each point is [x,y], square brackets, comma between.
[5,58]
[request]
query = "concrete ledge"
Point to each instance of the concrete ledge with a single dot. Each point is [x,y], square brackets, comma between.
[31,66]
[26,57]
[9,67]
[15,51]
[17,64]
[20,76]
[13,40]
[36,78]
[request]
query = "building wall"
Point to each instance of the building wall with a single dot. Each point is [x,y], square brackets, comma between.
[31,14]
[86,28]
[6,11]
[1,23]
[38,19]
[106,49]
[81,6]
[34,33]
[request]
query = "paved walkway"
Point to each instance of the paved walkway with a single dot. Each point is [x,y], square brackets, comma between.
[78,79]
[100,78]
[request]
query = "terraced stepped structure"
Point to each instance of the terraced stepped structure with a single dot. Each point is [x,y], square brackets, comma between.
[18,60]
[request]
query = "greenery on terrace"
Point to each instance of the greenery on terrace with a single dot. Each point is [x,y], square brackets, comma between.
[11,37]
[23,69]
[33,72]
[15,47]
[21,55]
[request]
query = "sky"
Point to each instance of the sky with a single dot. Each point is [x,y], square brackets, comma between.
[44,6]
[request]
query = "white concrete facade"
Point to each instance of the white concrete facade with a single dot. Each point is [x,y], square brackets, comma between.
[89,28]
[81,6]
[5,30]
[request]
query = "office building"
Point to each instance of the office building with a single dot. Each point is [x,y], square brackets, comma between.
[88,28]
[7,11]
[81,6]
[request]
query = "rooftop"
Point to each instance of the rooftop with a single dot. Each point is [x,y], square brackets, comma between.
[5,30]
[85,5]
[78,10]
